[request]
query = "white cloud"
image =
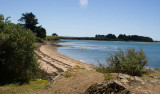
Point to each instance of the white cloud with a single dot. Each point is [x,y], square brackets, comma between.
[83,3]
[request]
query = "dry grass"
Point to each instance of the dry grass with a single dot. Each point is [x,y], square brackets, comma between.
[149,75]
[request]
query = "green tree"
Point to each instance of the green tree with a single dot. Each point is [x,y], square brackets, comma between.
[29,21]
[54,34]
[41,32]
[111,36]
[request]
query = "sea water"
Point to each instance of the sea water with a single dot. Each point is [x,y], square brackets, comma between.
[94,52]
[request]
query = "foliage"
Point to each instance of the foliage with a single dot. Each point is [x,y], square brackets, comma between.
[130,62]
[111,36]
[134,38]
[124,37]
[41,32]
[29,21]
[17,59]
[106,37]
[3,22]
[54,34]
[39,40]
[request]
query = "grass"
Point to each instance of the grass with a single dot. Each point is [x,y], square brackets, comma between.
[67,75]
[64,37]
[52,38]
[33,86]
[108,76]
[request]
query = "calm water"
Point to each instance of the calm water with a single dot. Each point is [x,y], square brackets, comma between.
[93,52]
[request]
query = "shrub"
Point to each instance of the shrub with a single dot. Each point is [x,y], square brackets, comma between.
[130,62]
[68,75]
[17,60]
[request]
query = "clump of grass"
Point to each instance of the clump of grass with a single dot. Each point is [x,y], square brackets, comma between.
[108,76]
[67,75]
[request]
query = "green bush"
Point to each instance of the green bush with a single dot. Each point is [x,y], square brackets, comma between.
[130,62]
[17,59]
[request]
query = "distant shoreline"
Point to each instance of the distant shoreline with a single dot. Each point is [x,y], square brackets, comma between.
[91,38]
[112,40]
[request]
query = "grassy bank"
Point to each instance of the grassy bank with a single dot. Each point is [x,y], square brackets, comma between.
[32,87]
[73,38]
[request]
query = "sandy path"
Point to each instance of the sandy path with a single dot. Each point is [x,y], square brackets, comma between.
[53,62]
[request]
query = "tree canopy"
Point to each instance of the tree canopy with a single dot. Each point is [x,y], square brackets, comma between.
[41,32]
[54,34]
[29,21]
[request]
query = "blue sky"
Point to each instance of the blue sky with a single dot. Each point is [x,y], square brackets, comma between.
[90,17]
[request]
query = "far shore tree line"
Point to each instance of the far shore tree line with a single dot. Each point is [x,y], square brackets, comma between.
[123,37]
[109,37]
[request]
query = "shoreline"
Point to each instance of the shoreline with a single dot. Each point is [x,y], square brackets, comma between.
[53,62]
[55,48]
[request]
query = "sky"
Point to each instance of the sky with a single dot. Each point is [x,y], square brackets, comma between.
[86,18]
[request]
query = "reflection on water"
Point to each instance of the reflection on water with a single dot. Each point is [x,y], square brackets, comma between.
[93,52]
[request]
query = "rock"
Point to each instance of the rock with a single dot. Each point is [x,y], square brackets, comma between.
[138,79]
[148,69]
[155,77]
[155,81]
[123,76]
[109,87]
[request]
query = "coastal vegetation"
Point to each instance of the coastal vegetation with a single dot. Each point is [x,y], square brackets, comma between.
[18,63]
[130,62]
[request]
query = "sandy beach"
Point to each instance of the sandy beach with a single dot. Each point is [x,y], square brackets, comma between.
[53,62]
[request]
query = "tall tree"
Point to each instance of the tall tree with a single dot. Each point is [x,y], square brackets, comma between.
[29,21]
